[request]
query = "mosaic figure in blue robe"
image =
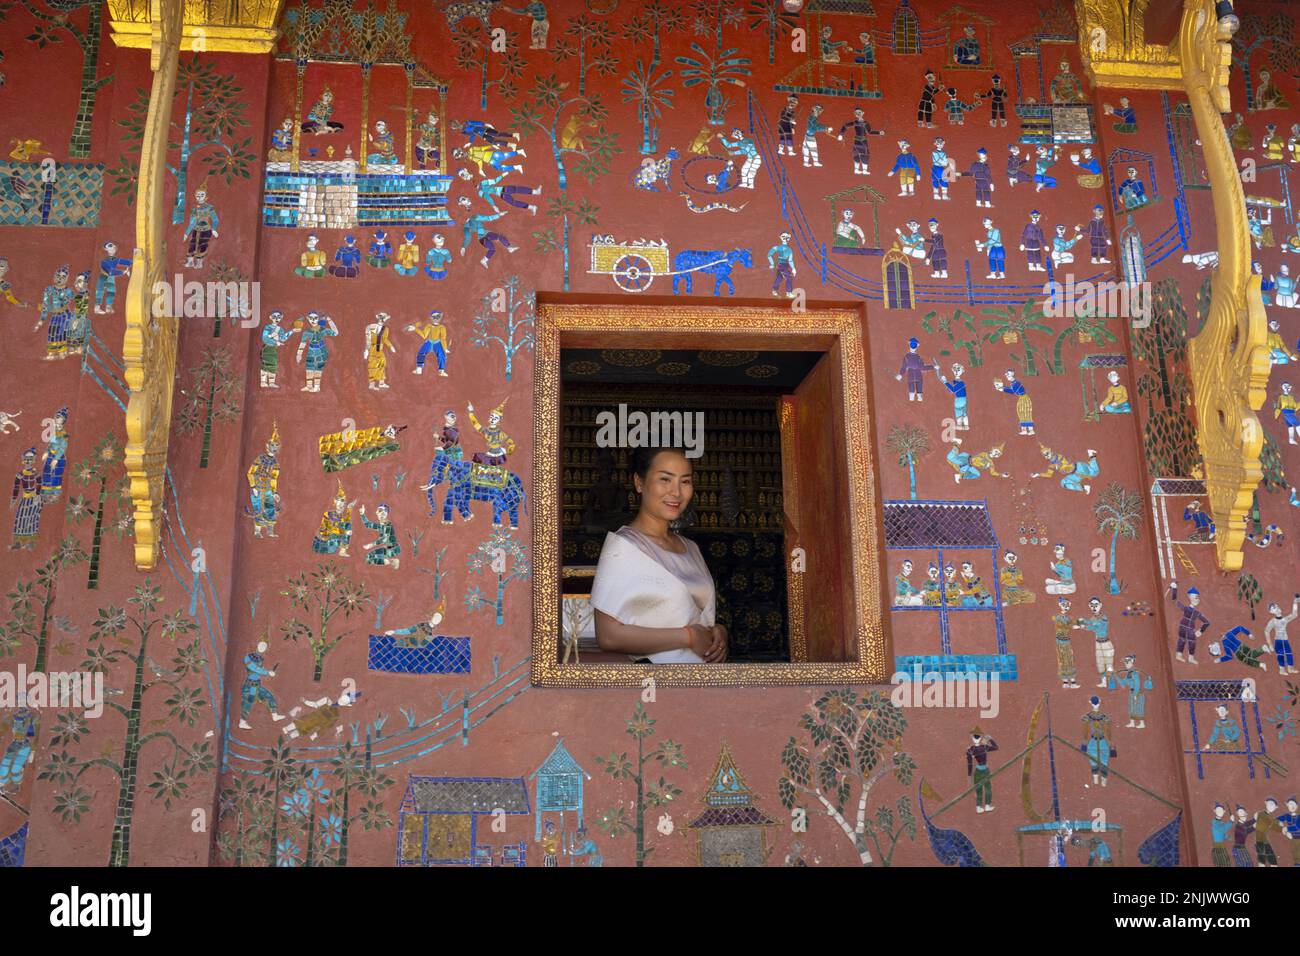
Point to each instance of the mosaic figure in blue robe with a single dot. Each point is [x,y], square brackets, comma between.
[966,51]
[1132,193]
[56,458]
[56,310]
[18,752]
[1097,741]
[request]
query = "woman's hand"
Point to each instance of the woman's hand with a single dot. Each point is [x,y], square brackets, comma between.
[717,652]
[701,638]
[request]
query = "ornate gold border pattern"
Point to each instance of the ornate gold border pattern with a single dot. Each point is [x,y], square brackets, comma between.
[705,327]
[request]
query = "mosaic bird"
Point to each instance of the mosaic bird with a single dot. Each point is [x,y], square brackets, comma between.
[24,149]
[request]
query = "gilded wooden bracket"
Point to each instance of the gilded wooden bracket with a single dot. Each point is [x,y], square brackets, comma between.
[1114,50]
[149,344]
[1228,359]
[245,26]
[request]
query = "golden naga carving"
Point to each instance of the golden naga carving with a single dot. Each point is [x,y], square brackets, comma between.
[230,26]
[1228,359]
[149,344]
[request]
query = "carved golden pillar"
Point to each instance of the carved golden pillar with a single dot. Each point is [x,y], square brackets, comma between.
[149,346]
[1228,359]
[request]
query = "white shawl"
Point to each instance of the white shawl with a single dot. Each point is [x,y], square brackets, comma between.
[635,589]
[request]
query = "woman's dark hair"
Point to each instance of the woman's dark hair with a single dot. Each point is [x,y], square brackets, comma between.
[643,457]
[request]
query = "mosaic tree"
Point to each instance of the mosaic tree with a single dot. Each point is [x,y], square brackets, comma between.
[651,22]
[53,18]
[31,603]
[437,572]
[1168,435]
[505,317]
[1012,324]
[109,652]
[245,809]
[1272,479]
[648,90]
[583,134]
[95,470]
[354,772]
[213,110]
[771,17]
[721,67]
[590,41]
[951,326]
[229,278]
[852,743]
[476,51]
[909,443]
[322,596]
[1255,30]
[212,398]
[1118,511]
[1085,328]
[621,766]
[566,213]
[1249,591]
[508,560]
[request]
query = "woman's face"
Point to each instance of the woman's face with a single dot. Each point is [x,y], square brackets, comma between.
[667,488]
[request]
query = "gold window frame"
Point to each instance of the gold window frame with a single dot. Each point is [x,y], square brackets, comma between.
[586,322]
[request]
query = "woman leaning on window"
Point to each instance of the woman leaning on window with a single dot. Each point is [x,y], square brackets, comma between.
[653,594]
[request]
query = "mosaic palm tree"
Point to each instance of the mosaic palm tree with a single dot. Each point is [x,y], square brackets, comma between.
[1118,511]
[909,443]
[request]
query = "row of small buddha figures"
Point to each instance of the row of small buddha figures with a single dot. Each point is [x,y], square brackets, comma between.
[959,586]
[578,497]
[754,520]
[701,477]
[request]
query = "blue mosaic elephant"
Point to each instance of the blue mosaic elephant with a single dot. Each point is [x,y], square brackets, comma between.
[470,481]
[715,261]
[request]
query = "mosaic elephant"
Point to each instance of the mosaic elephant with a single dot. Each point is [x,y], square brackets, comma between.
[469,481]
[714,261]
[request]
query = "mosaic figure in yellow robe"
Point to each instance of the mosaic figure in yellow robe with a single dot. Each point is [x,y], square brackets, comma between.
[335,533]
[311,264]
[499,444]
[1279,352]
[434,334]
[1012,581]
[378,339]
[1267,95]
[1072,473]
[1116,401]
[263,483]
